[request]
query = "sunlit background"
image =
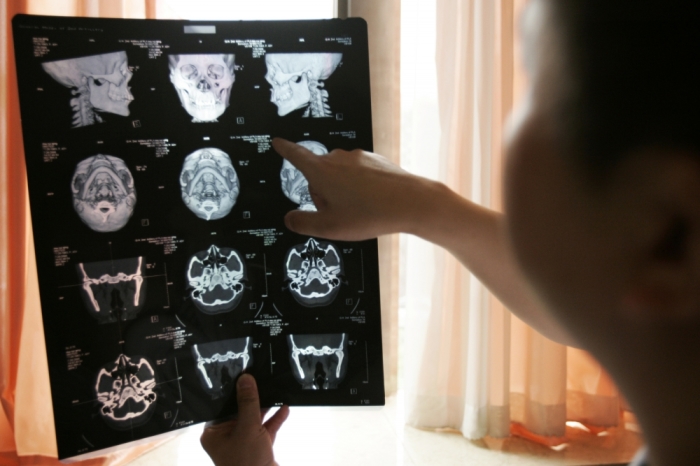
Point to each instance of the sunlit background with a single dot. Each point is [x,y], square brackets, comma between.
[245,9]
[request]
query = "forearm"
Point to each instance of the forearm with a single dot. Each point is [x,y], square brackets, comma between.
[476,237]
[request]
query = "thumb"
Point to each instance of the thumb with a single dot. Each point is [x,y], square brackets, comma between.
[248,403]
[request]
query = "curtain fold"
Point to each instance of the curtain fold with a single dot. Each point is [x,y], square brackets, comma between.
[27,433]
[477,368]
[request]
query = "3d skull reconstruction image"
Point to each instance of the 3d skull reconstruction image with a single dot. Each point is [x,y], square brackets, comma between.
[319,362]
[220,363]
[125,392]
[113,290]
[314,271]
[209,183]
[99,83]
[294,184]
[216,278]
[203,82]
[297,81]
[103,192]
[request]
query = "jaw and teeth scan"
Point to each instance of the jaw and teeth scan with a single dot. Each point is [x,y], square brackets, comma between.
[294,184]
[314,271]
[209,183]
[319,362]
[99,83]
[203,82]
[297,81]
[113,290]
[216,278]
[125,392]
[220,363]
[103,192]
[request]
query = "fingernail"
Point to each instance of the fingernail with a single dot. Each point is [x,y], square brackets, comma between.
[246,381]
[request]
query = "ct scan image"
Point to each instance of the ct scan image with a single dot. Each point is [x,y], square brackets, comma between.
[297,81]
[294,184]
[203,82]
[219,364]
[125,392]
[217,279]
[104,195]
[98,83]
[209,183]
[314,271]
[319,362]
[113,290]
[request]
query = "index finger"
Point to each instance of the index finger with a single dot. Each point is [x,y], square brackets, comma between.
[249,416]
[301,157]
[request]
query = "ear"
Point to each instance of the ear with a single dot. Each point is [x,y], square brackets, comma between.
[664,284]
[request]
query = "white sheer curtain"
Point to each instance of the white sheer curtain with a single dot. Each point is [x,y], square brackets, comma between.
[469,364]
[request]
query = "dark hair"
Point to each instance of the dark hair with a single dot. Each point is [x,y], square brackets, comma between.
[635,71]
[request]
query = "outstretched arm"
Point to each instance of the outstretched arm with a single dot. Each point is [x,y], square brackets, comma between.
[360,195]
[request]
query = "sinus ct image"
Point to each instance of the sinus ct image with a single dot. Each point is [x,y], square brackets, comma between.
[216,278]
[103,190]
[98,83]
[125,392]
[203,82]
[113,290]
[314,271]
[319,362]
[220,363]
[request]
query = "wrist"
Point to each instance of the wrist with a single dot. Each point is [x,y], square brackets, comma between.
[432,202]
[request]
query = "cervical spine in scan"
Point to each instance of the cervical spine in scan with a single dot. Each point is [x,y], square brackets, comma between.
[220,363]
[125,392]
[319,362]
[103,192]
[216,278]
[99,83]
[314,270]
[297,81]
[113,290]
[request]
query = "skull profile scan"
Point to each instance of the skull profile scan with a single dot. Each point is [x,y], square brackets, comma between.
[125,392]
[203,82]
[297,81]
[319,362]
[314,271]
[99,83]
[294,184]
[103,192]
[216,278]
[209,183]
[220,363]
[113,290]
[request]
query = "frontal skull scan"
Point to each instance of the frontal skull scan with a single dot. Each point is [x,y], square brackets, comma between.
[99,83]
[103,192]
[203,83]
[113,290]
[216,278]
[294,184]
[209,183]
[125,392]
[314,271]
[297,81]
[319,362]
[220,363]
